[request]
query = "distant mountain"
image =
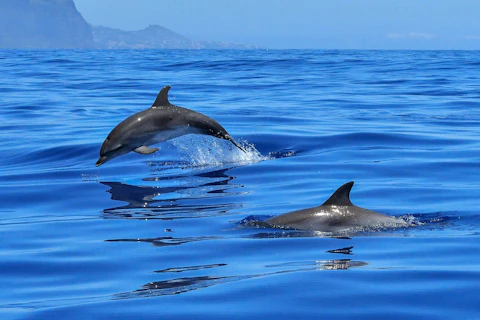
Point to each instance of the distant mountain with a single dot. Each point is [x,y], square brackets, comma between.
[43,24]
[154,36]
[53,24]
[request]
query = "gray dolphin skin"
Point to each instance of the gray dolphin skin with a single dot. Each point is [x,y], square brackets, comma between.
[161,122]
[336,214]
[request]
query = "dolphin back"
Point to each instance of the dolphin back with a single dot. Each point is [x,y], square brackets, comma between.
[180,117]
[177,116]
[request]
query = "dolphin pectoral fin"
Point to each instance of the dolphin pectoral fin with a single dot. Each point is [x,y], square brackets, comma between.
[145,150]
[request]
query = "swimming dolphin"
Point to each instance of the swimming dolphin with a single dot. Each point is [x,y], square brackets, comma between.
[161,122]
[336,214]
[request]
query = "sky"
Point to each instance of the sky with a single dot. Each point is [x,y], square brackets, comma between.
[302,24]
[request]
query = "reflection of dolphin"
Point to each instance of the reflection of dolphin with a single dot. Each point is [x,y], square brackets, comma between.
[186,284]
[336,214]
[137,196]
[165,241]
[161,122]
[166,202]
[176,286]
[346,250]
[342,264]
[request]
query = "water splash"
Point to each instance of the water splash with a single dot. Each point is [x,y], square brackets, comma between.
[205,151]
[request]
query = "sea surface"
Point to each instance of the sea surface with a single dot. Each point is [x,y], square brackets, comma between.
[164,236]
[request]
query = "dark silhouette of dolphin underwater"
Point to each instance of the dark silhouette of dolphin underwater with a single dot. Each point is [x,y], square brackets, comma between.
[161,122]
[336,214]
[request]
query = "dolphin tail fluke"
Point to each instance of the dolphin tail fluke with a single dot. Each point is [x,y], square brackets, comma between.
[236,145]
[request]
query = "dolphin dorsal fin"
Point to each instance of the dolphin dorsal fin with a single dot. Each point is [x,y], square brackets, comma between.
[162,98]
[341,197]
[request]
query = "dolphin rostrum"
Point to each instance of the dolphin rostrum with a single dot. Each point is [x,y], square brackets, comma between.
[336,214]
[161,122]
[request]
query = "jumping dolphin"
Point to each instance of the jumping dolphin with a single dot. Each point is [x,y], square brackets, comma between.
[161,122]
[336,214]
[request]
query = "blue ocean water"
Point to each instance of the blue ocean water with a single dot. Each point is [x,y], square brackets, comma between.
[160,236]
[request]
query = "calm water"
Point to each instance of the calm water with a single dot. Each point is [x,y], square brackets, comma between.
[160,236]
